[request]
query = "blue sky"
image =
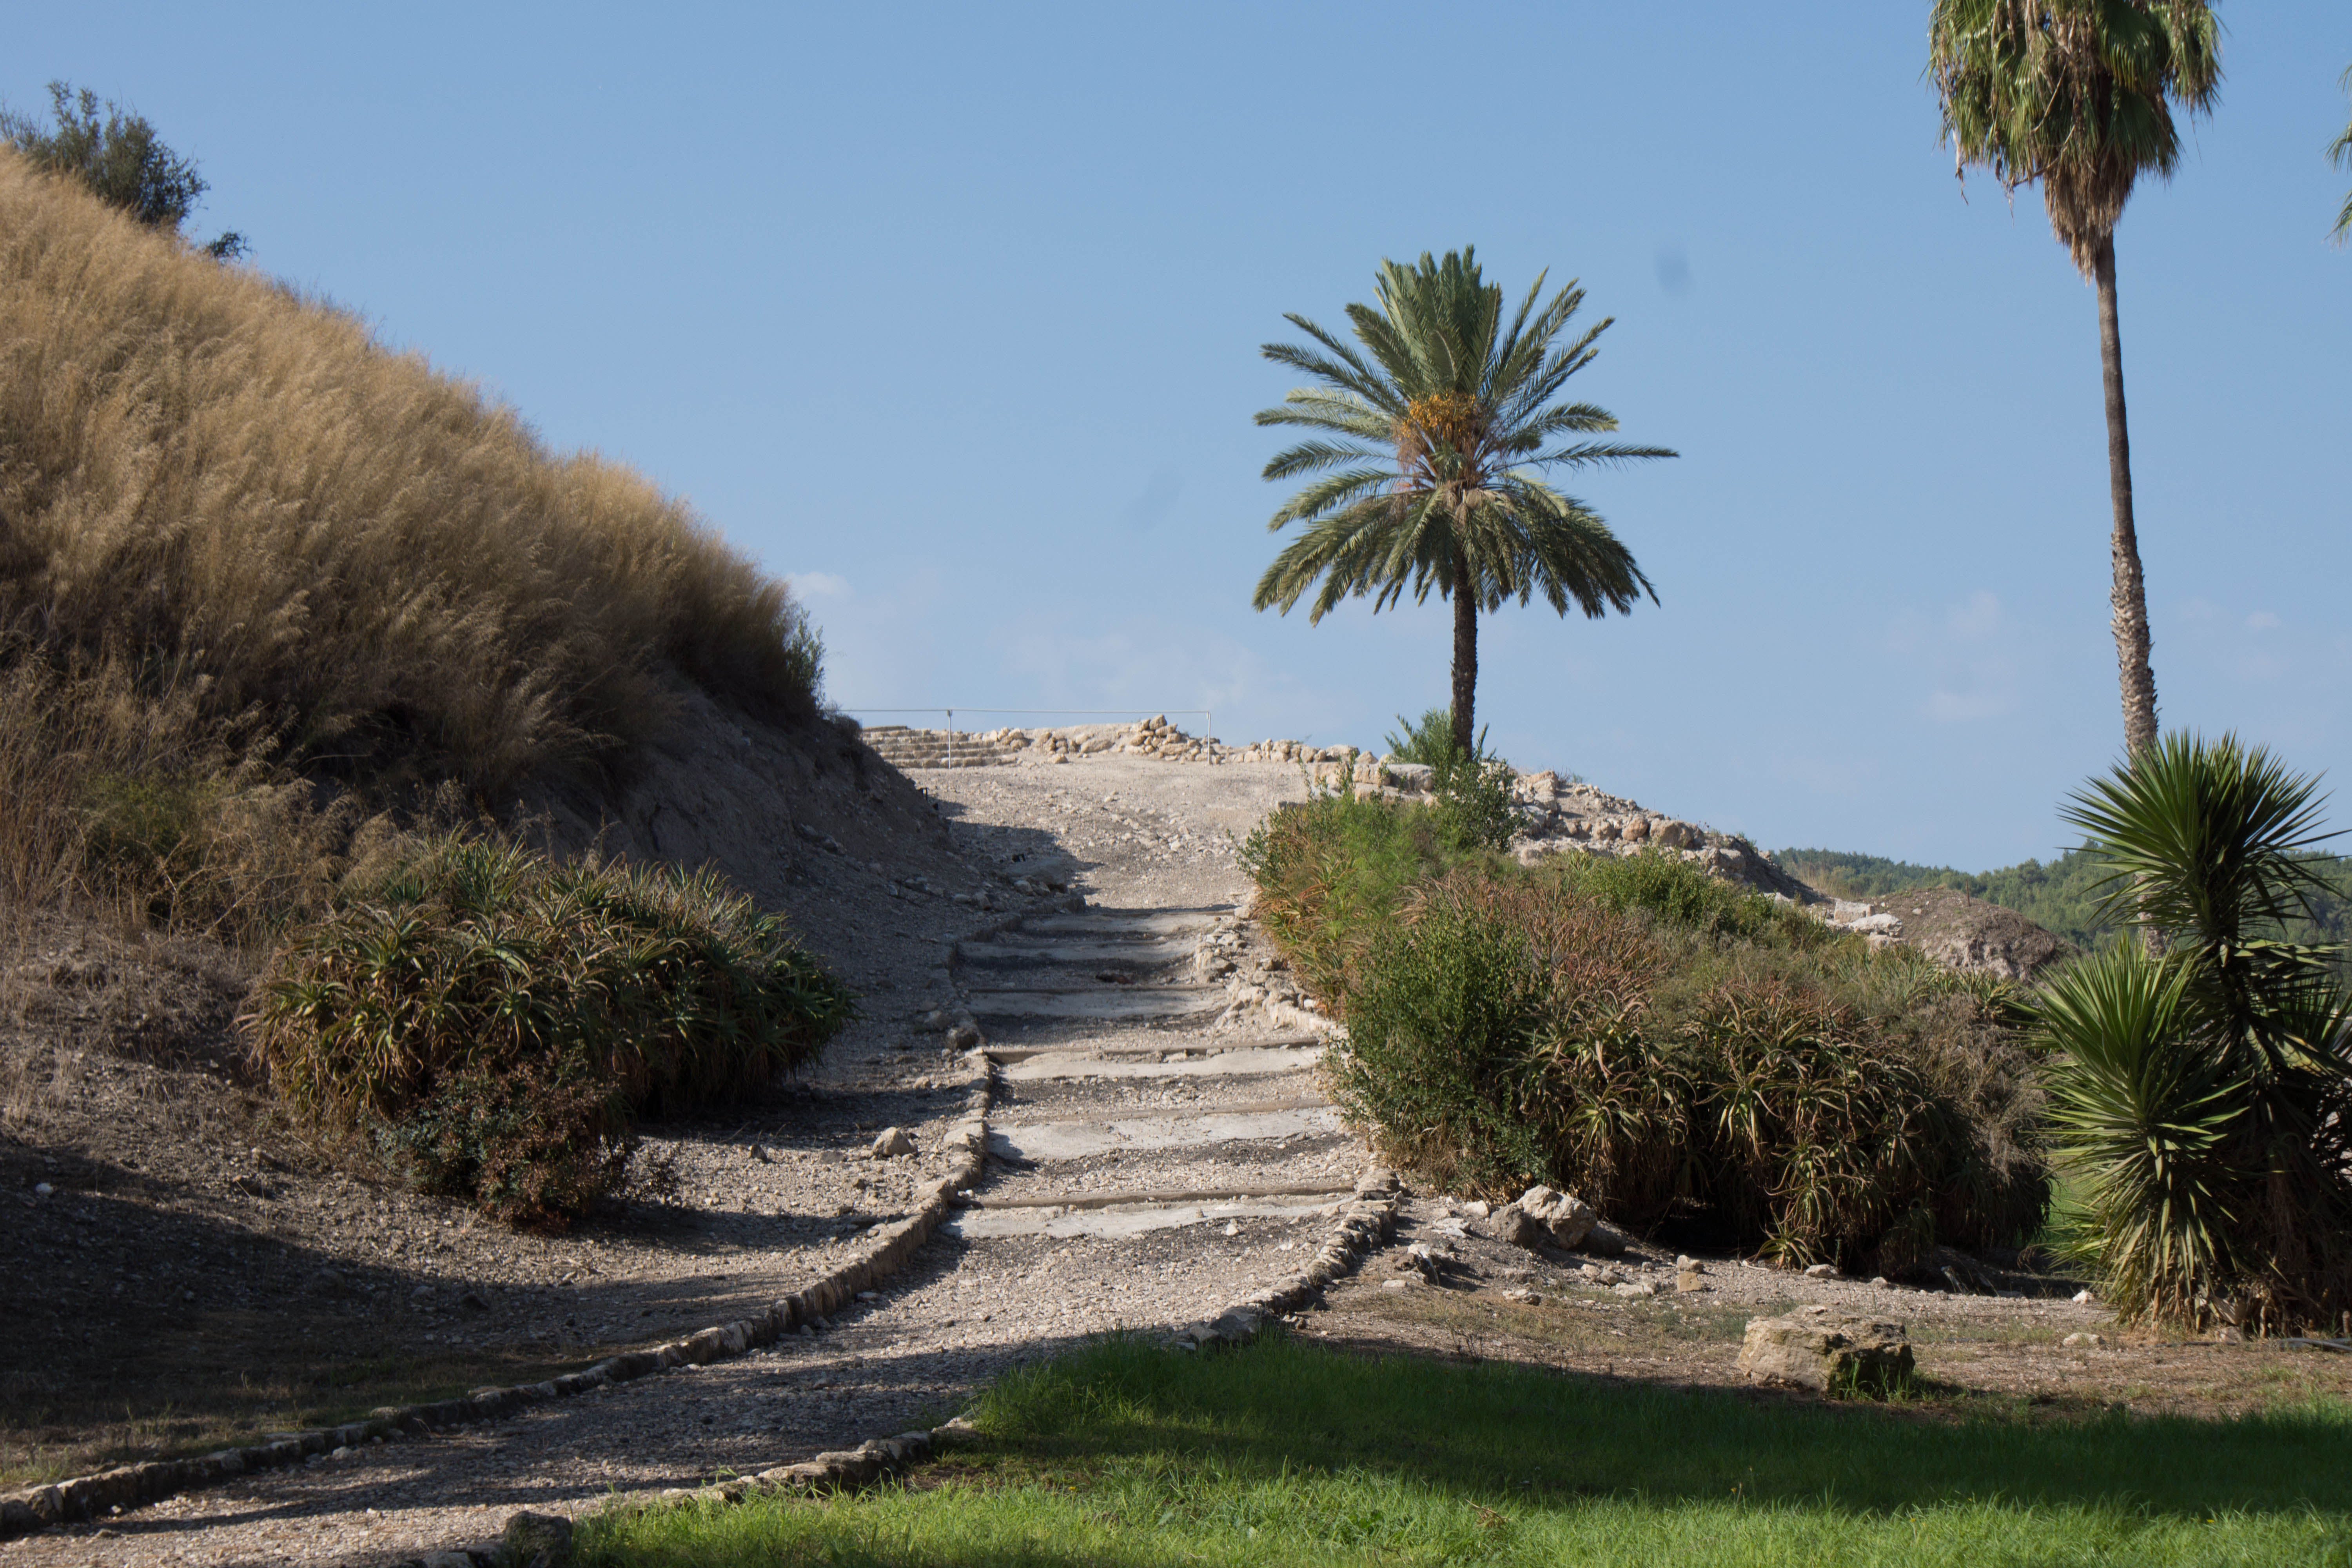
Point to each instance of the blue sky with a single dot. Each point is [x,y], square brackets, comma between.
[952,313]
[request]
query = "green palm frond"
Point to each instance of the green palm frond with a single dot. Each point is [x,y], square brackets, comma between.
[1439,330]
[2140,1106]
[2340,152]
[2208,838]
[2075,94]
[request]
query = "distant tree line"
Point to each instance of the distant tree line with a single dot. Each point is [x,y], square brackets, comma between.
[2061,895]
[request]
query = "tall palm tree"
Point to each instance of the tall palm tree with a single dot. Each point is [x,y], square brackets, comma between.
[2078,95]
[2340,151]
[1429,449]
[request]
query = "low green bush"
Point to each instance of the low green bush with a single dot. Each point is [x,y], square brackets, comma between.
[1506,1030]
[1430,739]
[1672,1049]
[495,1021]
[1330,871]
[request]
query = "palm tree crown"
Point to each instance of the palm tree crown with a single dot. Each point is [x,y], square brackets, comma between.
[2074,93]
[1432,440]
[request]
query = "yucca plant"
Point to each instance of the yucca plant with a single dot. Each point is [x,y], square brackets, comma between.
[2201,1095]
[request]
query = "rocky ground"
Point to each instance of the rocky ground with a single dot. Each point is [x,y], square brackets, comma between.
[1161,1149]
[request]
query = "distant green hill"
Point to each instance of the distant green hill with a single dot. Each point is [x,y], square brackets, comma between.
[2059,895]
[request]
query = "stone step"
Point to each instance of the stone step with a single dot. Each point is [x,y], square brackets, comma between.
[973,1225]
[1108,925]
[1073,1140]
[905,748]
[1100,1004]
[1224,1064]
[1008,952]
[1142,1050]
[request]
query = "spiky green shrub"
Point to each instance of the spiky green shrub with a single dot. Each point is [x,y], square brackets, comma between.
[495,1021]
[1669,1047]
[1430,739]
[2204,1098]
[1506,1030]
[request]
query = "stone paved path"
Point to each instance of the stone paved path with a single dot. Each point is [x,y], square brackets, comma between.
[1151,1165]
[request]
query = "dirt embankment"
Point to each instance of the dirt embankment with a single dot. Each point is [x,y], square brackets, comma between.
[185,1268]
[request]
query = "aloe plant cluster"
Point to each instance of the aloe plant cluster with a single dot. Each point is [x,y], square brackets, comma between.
[2200,1085]
[495,1021]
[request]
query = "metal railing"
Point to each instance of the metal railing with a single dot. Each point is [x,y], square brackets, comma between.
[1208,718]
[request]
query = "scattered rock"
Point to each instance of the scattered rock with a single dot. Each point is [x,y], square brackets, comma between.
[329,1282]
[536,1540]
[2075,1340]
[2082,1299]
[1690,1279]
[1821,1271]
[1510,1225]
[894,1143]
[1567,1218]
[1604,1240]
[1821,1348]
[964,1036]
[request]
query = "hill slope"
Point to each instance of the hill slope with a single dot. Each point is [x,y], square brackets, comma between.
[245,493]
[241,541]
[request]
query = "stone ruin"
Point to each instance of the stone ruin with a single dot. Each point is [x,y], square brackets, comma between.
[1557,815]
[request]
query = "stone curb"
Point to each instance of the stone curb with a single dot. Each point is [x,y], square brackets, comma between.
[1363,1225]
[32,1509]
[1363,1222]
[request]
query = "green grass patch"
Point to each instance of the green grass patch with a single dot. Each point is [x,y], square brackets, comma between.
[1284,1453]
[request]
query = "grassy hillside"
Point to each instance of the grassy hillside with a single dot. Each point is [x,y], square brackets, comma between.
[242,495]
[247,552]
[2062,895]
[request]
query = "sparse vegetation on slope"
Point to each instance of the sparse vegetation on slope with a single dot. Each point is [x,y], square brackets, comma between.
[250,502]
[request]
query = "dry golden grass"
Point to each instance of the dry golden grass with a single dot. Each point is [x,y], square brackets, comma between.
[252,508]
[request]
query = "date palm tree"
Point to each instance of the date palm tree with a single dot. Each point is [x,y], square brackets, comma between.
[2078,95]
[1430,446]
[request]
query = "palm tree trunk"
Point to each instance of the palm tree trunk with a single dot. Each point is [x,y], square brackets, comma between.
[2129,596]
[1466,652]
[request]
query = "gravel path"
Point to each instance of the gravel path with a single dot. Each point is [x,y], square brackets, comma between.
[1159,1150]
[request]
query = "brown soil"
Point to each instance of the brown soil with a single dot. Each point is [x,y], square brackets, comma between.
[1974,1353]
[199,1271]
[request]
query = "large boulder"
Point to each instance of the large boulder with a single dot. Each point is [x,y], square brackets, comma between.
[1973,936]
[1569,1218]
[1821,1348]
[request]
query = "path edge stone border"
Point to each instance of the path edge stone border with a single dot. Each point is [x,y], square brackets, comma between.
[1363,1223]
[93,1495]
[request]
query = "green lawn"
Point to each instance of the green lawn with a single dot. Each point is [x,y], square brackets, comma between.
[1284,1453]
